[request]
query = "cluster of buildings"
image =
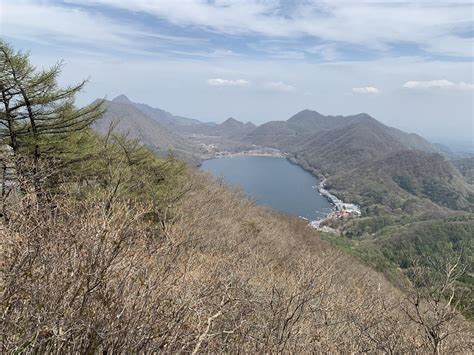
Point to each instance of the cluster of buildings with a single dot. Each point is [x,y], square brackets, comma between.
[262,152]
[341,209]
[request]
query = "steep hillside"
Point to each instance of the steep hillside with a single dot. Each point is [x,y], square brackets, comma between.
[274,134]
[129,120]
[161,116]
[232,128]
[348,144]
[174,123]
[405,181]
[311,131]
[156,256]
[466,167]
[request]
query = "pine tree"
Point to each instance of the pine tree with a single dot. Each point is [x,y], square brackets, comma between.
[36,115]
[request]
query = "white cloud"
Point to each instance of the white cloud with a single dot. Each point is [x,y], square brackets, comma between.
[439,84]
[366,90]
[47,24]
[432,26]
[370,23]
[278,86]
[327,52]
[465,86]
[23,19]
[226,82]
[164,82]
[452,45]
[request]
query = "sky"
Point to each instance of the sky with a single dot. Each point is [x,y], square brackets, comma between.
[408,64]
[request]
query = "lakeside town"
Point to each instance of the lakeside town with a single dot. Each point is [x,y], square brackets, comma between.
[341,210]
[214,152]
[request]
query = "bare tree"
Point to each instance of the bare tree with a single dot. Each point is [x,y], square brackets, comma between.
[435,300]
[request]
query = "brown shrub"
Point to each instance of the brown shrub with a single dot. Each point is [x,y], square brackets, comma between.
[218,274]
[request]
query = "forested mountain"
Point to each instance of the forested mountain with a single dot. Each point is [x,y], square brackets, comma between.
[232,128]
[109,248]
[369,163]
[329,143]
[173,122]
[307,128]
[466,167]
[126,118]
[406,181]
[361,139]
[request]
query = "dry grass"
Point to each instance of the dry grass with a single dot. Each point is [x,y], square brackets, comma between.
[218,274]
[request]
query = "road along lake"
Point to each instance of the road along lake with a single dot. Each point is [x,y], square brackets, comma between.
[273,182]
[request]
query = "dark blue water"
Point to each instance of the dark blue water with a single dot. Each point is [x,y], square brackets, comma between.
[273,182]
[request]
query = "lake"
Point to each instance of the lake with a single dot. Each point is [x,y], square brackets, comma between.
[273,182]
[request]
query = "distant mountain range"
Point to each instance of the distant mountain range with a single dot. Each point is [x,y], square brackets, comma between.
[152,128]
[368,162]
[166,119]
[232,128]
[364,160]
[334,142]
[416,198]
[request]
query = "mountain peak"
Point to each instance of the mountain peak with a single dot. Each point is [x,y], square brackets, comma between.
[364,116]
[122,99]
[250,125]
[306,115]
[233,121]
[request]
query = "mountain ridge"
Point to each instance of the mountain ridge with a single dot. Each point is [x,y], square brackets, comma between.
[337,147]
[165,118]
[127,119]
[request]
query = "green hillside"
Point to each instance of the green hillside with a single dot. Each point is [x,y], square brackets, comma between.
[405,182]
[111,248]
[126,119]
[466,168]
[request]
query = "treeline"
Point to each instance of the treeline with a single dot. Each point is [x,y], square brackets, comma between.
[107,248]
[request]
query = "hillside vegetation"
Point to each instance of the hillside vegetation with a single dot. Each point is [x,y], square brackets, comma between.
[379,167]
[125,118]
[466,167]
[405,182]
[108,248]
[134,275]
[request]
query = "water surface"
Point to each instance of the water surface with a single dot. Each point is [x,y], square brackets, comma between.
[273,182]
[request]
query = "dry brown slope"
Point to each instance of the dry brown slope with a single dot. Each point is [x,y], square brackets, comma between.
[220,274]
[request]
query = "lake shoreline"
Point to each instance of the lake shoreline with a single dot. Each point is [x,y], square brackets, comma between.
[274,153]
[274,182]
[340,209]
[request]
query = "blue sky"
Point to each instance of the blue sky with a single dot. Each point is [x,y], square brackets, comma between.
[409,64]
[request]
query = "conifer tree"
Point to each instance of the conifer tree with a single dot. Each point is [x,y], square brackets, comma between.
[35,115]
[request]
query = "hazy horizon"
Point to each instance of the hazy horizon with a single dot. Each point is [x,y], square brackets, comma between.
[408,65]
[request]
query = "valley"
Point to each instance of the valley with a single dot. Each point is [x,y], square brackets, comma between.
[115,242]
[285,177]
[364,162]
[378,178]
[271,182]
